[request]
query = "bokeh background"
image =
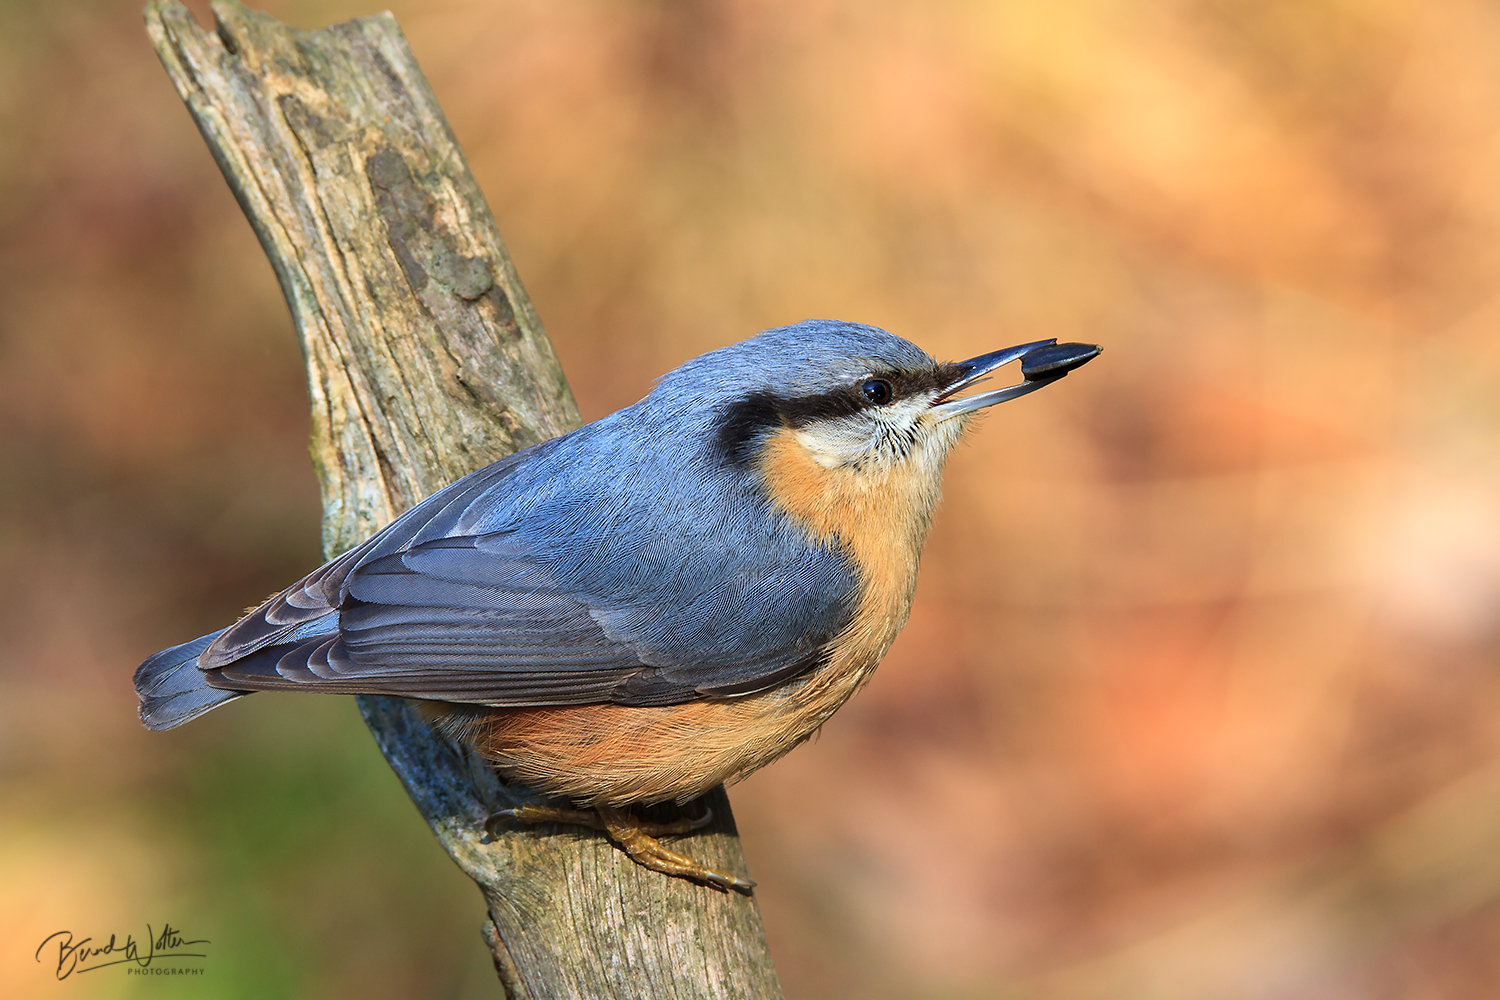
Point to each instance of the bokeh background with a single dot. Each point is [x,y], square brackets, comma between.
[1200,695]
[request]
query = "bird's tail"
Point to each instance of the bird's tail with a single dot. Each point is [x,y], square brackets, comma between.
[173,690]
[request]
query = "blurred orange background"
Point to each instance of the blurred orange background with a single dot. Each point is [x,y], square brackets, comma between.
[1199,698]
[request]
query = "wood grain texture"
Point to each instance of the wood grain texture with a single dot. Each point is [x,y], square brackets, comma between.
[425,360]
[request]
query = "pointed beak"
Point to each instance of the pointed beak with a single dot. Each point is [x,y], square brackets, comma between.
[1042,363]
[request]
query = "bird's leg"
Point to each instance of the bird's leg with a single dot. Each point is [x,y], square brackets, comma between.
[637,837]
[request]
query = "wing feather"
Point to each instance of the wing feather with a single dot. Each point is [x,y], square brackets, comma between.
[539,581]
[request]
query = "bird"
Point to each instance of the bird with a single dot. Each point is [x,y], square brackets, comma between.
[659,602]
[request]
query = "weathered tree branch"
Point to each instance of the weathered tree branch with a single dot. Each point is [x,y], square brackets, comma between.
[425,360]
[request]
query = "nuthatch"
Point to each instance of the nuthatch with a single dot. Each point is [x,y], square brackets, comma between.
[656,603]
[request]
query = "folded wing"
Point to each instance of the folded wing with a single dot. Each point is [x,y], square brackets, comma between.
[433,607]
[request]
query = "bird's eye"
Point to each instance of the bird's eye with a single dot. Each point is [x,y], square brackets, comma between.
[876,390]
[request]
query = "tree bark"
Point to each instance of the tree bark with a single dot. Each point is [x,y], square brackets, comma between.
[425,360]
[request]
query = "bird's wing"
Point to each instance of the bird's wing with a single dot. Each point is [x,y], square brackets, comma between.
[427,609]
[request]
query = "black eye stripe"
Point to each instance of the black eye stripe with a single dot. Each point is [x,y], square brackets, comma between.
[803,410]
[742,423]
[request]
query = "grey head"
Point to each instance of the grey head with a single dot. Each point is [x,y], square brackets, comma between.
[854,395]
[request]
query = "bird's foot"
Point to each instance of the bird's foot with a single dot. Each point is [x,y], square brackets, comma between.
[637,837]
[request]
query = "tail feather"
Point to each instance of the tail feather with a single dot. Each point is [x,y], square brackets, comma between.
[174,690]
